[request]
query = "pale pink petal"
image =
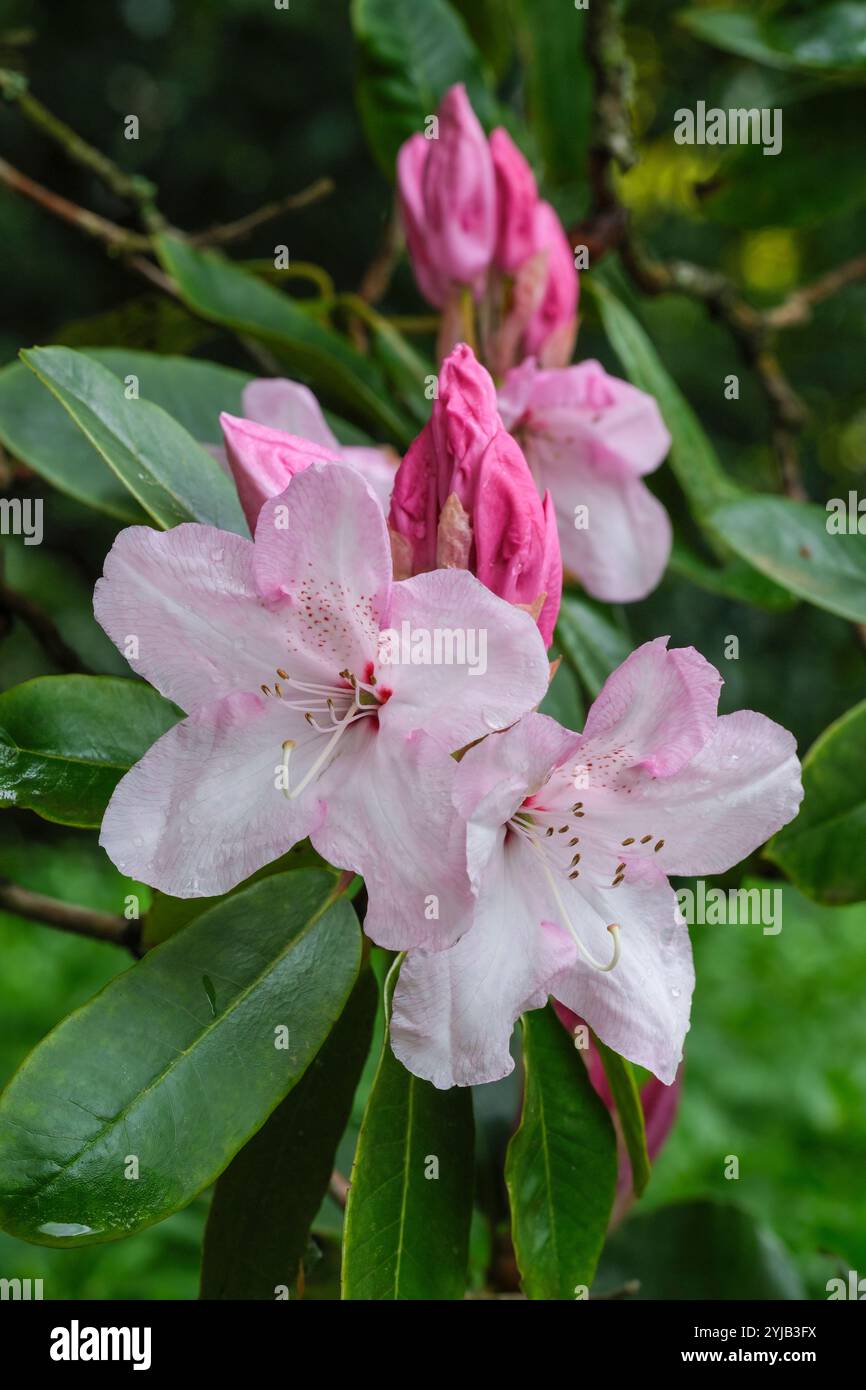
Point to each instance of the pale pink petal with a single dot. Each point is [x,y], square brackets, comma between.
[377,466]
[202,809]
[622,545]
[737,791]
[391,819]
[183,608]
[454,1011]
[288,406]
[641,1007]
[504,669]
[496,776]
[652,714]
[324,544]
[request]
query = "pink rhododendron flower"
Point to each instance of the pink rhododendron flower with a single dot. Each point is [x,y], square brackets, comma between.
[448,198]
[473,220]
[281,432]
[296,724]
[589,438]
[465,498]
[570,840]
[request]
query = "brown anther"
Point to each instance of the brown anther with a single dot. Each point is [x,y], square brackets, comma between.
[575,860]
[576,807]
[576,874]
[646,839]
[658,846]
[629,841]
[564,829]
[549,831]
[619,878]
[575,841]
[308,716]
[620,867]
[264,689]
[578,814]
[278,690]
[284,675]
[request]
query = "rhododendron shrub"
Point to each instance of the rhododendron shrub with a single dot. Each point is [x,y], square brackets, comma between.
[395,725]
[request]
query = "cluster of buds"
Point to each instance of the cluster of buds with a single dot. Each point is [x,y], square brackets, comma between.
[486,250]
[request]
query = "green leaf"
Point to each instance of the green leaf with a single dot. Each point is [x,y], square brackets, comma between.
[626,1097]
[563,701]
[589,641]
[410,54]
[692,456]
[218,290]
[826,39]
[821,851]
[735,580]
[265,1202]
[559,85]
[561,1165]
[174,1064]
[698,1250]
[406,1235]
[36,428]
[168,473]
[65,742]
[789,542]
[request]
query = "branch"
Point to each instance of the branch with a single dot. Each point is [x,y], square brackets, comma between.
[236,231]
[80,921]
[339,1188]
[798,308]
[110,233]
[133,188]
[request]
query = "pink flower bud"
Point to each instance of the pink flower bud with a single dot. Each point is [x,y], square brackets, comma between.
[448,200]
[552,330]
[464,496]
[517,199]
[263,460]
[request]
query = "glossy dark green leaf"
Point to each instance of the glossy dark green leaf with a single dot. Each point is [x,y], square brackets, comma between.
[589,641]
[558,85]
[223,292]
[734,579]
[173,1067]
[167,472]
[626,1097]
[65,742]
[789,542]
[700,1250]
[406,1234]
[821,851]
[828,38]
[35,428]
[266,1200]
[561,1165]
[692,456]
[410,54]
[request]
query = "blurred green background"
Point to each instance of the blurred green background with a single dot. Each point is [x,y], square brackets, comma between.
[241,103]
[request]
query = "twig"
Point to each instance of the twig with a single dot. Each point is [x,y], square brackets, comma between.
[377,276]
[132,188]
[236,231]
[111,234]
[798,307]
[81,921]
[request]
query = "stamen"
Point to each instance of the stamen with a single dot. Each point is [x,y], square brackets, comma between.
[658,846]
[536,846]
[629,841]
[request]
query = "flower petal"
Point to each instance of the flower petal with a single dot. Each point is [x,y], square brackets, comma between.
[741,788]
[288,406]
[454,1011]
[391,818]
[641,1007]
[653,714]
[183,608]
[323,545]
[377,466]
[202,810]
[457,703]
[263,461]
